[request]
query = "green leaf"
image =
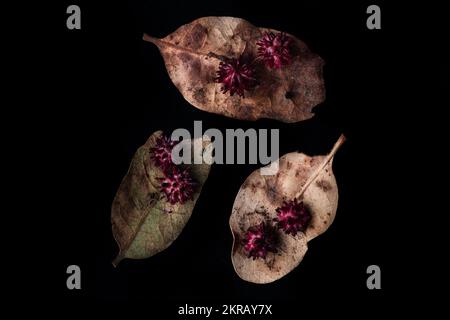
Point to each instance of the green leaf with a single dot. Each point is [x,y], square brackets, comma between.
[143,222]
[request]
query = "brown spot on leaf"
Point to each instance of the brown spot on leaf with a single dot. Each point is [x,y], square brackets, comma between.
[289,94]
[186,58]
[270,261]
[242,226]
[200,95]
[272,193]
[196,67]
[324,185]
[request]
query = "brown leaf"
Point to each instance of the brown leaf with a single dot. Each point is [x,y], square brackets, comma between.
[191,57]
[143,222]
[306,178]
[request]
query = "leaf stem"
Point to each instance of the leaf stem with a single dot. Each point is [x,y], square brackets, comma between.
[151,39]
[117,259]
[328,158]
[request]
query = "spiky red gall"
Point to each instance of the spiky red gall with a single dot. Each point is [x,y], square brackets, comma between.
[293,217]
[235,76]
[259,240]
[178,185]
[274,49]
[162,152]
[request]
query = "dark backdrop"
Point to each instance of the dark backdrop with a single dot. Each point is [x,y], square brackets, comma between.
[113,91]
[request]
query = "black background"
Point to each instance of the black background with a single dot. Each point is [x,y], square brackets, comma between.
[111,91]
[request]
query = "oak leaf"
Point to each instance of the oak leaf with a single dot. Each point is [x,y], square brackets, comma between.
[192,55]
[308,179]
[143,221]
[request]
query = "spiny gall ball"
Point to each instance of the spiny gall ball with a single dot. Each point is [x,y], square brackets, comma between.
[259,240]
[274,49]
[235,76]
[178,185]
[162,152]
[293,217]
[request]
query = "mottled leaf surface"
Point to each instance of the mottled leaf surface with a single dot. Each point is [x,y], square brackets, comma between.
[143,222]
[287,94]
[309,179]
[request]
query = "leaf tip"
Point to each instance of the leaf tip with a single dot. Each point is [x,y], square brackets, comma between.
[117,260]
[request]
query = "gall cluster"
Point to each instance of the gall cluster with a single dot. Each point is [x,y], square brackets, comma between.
[236,75]
[292,217]
[177,183]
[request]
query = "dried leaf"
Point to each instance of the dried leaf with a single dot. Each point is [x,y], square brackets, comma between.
[306,178]
[143,222]
[191,57]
